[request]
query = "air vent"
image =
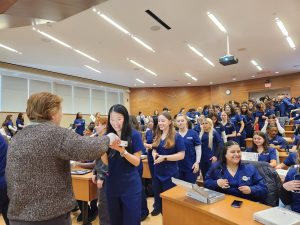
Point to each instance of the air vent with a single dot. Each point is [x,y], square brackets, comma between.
[150,13]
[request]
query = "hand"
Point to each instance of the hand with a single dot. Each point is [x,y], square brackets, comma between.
[213,159]
[154,155]
[99,183]
[238,134]
[293,185]
[195,167]
[94,180]
[148,146]
[245,189]
[115,146]
[223,183]
[160,159]
[112,137]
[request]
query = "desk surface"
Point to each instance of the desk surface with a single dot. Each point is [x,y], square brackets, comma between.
[83,187]
[180,209]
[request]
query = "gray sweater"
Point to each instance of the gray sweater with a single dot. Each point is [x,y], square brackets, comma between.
[38,170]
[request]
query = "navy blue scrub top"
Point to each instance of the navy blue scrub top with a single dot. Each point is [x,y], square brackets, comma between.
[265,156]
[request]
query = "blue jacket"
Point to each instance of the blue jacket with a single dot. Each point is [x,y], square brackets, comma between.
[3,153]
[246,175]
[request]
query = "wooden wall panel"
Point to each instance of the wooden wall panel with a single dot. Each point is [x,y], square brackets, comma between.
[149,99]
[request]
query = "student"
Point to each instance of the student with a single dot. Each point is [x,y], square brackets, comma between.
[273,120]
[248,117]
[274,139]
[168,148]
[20,121]
[239,125]
[289,194]
[228,126]
[291,159]
[149,137]
[8,126]
[79,123]
[123,186]
[211,144]
[260,146]
[219,127]
[189,166]
[38,173]
[3,186]
[259,115]
[229,176]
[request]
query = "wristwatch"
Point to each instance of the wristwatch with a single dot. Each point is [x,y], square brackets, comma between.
[124,153]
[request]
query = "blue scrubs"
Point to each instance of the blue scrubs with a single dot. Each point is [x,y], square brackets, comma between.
[124,186]
[164,171]
[295,205]
[191,139]
[229,129]
[79,129]
[197,128]
[149,140]
[291,159]
[207,153]
[261,121]
[9,132]
[219,128]
[249,121]
[267,156]
[278,141]
[246,175]
[284,107]
[296,140]
[236,120]
[19,122]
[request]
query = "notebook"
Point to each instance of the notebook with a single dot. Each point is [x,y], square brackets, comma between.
[80,172]
[277,216]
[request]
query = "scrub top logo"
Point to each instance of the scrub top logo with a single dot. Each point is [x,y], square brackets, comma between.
[245,178]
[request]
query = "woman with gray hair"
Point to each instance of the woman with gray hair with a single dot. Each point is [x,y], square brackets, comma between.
[38,164]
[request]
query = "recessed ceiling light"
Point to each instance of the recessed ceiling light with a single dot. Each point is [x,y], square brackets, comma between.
[194,78]
[259,68]
[200,54]
[188,83]
[253,76]
[91,68]
[217,22]
[134,84]
[52,38]
[154,84]
[276,72]
[234,78]
[142,43]
[10,49]
[211,82]
[139,80]
[189,75]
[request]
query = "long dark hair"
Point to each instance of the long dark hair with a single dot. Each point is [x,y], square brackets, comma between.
[265,144]
[224,152]
[126,128]
[7,119]
[78,115]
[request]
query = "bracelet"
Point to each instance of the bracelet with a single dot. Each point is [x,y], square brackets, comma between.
[123,154]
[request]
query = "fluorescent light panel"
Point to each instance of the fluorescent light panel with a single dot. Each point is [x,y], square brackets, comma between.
[256,65]
[254,62]
[285,33]
[259,68]
[10,49]
[91,68]
[86,55]
[112,22]
[140,81]
[217,22]
[141,66]
[200,54]
[191,76]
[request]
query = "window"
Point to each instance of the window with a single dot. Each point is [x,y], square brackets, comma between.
[112,99]
[98,102]
[36,86]
[65,91]
[82,100]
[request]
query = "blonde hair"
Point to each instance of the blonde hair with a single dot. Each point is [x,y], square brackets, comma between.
[210,133]
[42,106]
[186,119]
[170,138]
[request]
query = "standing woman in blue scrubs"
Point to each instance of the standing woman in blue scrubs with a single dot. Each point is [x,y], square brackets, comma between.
[168,148]
[124,186]
[189,166]
[79,123]
[228,126]
[20,121]
[248,117]
[229,176]
[211,145]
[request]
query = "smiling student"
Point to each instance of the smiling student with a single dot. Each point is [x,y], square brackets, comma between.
[168,148]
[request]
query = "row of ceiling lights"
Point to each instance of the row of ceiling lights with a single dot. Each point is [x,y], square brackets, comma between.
[196,51]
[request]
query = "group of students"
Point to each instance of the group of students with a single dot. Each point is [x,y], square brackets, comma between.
[8,129]
[174,149]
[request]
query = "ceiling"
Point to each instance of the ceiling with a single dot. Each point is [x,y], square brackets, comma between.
[251,26]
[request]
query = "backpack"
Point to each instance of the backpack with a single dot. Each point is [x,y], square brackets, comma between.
[272,181]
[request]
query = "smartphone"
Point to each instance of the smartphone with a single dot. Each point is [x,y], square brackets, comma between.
[236,204]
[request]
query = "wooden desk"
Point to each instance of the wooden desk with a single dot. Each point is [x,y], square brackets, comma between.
[283,156]
[180,209]
[146,170]
[85,190]
[288,127]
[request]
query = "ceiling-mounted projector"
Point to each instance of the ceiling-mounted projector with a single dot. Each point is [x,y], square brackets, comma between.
[228,60]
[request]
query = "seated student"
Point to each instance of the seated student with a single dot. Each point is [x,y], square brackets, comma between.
[260,146]
[229,176]
[274,139]
[290,192]
[273,120]
[290,160]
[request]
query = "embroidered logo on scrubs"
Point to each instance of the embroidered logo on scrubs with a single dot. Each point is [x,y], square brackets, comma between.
[189,138]
[245,178]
